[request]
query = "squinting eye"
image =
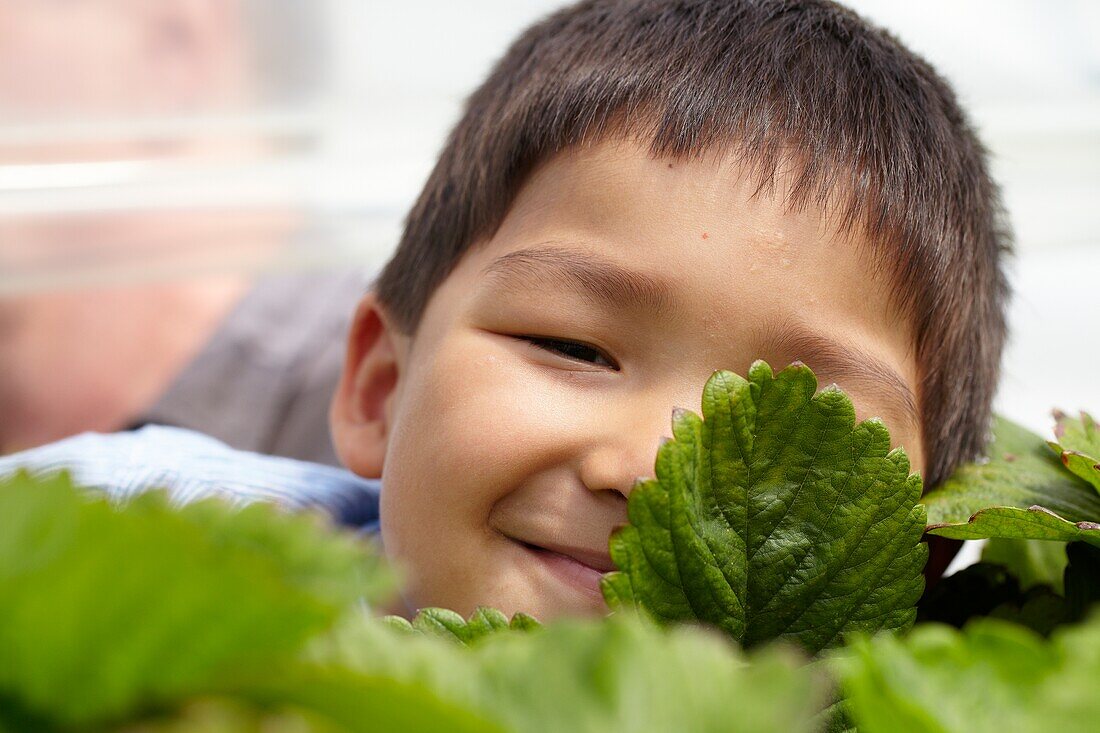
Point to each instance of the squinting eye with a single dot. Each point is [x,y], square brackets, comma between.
[572,350]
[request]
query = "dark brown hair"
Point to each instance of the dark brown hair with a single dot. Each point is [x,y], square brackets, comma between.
[877,136]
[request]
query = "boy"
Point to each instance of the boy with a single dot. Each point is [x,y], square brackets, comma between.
[641,193]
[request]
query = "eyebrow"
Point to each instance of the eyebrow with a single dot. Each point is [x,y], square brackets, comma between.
[612,285]
[605,282]
[844,363]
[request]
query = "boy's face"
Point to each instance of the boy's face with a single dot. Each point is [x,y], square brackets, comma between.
[543,374]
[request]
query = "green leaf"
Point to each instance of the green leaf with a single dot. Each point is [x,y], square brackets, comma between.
[206,609]
[1021,492]
[219,715]
[341,567]
[1078,445]
[835,719]
[774,516]
[1039,609]
[991,677]
[104,611]
[447,624]
[985,589]
[1033,562]
[1035,522]
[344,700]
[620,673]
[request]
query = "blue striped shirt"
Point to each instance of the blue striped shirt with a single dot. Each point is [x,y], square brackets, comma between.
[192,466]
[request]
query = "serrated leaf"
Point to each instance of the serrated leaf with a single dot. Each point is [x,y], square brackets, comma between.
[1021,492]
[835,719]
[774,516]
[620,673]
[446,624]
[1078,446]
[106,610]
[523,622]
[441,622]
[991,677]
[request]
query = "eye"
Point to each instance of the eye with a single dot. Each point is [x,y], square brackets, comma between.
[572,350]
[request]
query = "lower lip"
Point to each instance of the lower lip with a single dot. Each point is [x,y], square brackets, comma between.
[569,570]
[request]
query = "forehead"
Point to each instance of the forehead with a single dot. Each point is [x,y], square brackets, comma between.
[706,208]
[697,251]
[697,223]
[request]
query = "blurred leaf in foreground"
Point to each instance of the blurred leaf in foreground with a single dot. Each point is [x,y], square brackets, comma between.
[104,611]
[229,716]
[991,677]
[620,673]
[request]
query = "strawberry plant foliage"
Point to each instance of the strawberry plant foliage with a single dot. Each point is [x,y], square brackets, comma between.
[159,601]
[986,589]
[621,673]
[992,676]
[1022,492]
[210,618]
[775,516]
[1033,562]
[1078,445]
[447,624]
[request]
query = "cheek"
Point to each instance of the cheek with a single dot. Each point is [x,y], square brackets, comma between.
[477,422]
[472,420]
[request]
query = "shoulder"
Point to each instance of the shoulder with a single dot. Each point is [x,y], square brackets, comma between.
[191,466]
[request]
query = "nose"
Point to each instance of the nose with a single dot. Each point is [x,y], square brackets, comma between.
[627,447]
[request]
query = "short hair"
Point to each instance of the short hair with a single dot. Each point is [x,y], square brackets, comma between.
[876,135]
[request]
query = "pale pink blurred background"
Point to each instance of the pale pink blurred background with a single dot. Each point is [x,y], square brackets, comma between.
[158,155]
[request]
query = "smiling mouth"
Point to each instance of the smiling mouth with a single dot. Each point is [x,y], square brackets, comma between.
[583,572]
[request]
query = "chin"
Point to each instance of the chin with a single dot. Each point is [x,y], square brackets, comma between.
[550,601]
[543,603]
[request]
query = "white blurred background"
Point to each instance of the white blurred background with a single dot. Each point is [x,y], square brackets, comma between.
[156,140]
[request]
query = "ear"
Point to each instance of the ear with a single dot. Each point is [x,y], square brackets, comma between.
[361,415]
